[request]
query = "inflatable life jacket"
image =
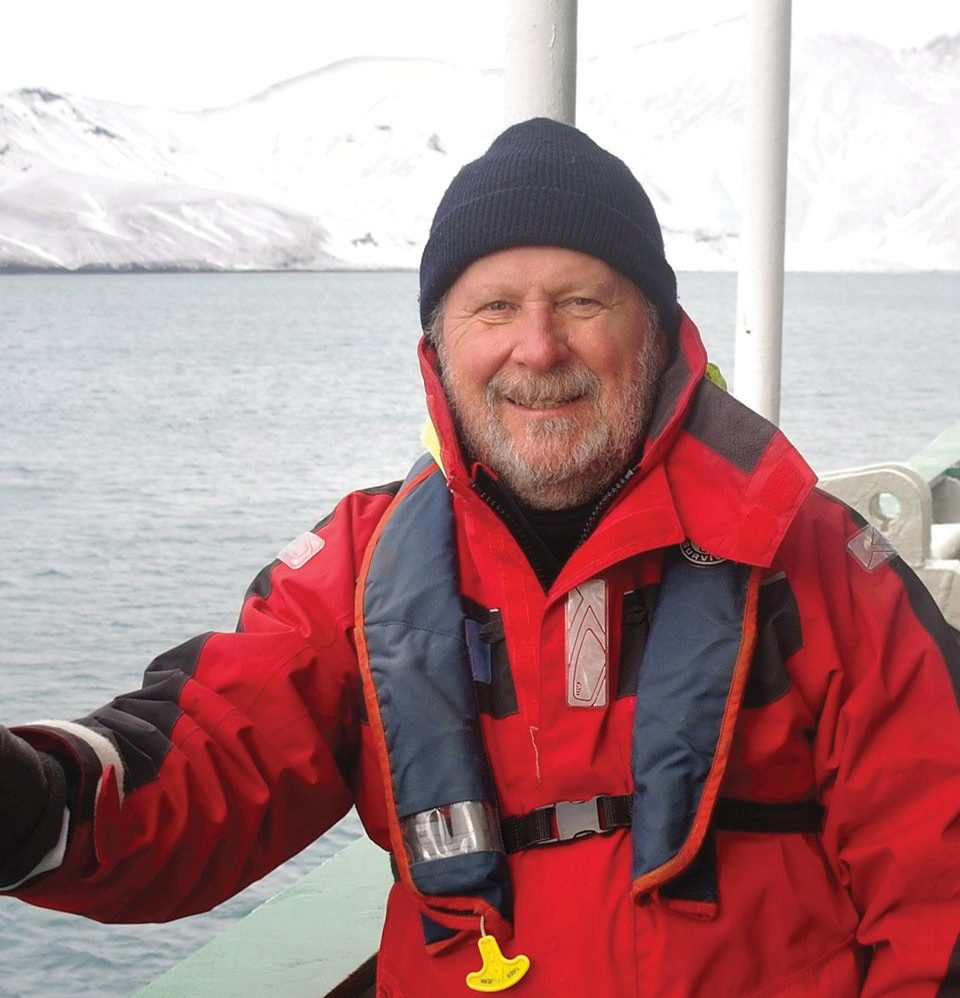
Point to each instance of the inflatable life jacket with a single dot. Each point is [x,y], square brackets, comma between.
[445,831]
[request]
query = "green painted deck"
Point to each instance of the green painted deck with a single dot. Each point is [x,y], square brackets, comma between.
[316,938]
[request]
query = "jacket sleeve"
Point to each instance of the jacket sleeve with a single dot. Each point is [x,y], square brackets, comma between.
[237,752]
[887,752]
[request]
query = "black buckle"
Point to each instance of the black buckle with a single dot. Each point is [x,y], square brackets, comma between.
[575,818]
[571,818]
[566,820]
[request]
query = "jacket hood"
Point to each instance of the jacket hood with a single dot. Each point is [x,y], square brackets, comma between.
[734,479]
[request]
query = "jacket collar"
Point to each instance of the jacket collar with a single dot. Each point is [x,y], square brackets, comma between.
[711,470]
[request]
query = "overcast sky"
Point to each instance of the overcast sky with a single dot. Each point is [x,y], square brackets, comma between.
[204,53]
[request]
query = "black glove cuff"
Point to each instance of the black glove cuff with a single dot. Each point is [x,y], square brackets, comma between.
[33,795]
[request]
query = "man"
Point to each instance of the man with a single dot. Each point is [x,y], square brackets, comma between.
[620,692]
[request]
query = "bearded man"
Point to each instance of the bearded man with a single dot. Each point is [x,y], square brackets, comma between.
[624,697]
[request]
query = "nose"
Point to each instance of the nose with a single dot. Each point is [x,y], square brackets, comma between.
[539,341]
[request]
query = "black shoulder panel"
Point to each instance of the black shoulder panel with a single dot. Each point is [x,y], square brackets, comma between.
[261,587]
[925,609]
[261,583]
[182,659]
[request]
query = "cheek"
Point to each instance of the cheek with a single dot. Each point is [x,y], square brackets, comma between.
[616,359]
[471,366]
[614,367]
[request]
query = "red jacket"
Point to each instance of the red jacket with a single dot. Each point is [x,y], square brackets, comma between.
[242,748]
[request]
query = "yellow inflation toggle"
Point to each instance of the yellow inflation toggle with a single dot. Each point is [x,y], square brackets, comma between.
[497,973]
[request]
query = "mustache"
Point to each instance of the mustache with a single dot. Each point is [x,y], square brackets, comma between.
[530,389]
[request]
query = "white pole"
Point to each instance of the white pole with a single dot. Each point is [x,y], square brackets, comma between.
[541,60]
[760,288]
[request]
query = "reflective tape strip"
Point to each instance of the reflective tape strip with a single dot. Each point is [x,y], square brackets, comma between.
[452,830]
[586,638]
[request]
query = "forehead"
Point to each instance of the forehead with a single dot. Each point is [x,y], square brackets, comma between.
[549,268]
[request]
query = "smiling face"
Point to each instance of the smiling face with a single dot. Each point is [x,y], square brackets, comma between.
[549,359]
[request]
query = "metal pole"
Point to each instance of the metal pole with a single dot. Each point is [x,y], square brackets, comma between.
[541,60]
[757,353]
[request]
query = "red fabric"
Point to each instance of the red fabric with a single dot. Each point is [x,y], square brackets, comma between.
[270,751]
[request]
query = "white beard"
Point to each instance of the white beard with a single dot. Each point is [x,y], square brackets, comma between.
[548,467]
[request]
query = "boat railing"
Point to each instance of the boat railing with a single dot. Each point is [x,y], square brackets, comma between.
[317,938]
[915,505]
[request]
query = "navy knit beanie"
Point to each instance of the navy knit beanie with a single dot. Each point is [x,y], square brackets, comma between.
[543,183]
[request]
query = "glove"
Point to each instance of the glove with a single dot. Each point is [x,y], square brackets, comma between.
[33,795]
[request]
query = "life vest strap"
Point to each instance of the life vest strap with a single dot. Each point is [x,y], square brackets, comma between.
[567,820]
[733,815]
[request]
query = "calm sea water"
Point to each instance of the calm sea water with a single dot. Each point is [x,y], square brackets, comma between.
[164,435]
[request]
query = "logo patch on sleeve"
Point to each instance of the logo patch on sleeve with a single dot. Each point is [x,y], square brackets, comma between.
[301,549]
[871,548]
[697,556]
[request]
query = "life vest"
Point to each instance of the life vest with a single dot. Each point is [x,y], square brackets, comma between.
[419,693]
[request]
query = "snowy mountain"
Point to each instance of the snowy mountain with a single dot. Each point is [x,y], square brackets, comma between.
[343,167]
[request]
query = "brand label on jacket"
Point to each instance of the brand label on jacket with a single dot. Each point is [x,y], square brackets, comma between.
[587,645]
[697,556]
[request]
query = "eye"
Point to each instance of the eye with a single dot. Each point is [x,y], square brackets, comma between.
[581,305]
[494,308]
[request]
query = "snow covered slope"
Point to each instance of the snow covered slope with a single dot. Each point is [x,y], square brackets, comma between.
[344,166]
